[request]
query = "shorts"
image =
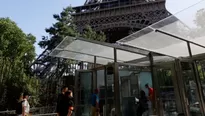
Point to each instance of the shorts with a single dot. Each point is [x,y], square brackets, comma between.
[94,111]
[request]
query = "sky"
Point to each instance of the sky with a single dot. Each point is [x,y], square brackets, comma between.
[33,16]
[185,10]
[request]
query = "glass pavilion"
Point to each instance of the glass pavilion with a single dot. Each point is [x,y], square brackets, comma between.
[169,55]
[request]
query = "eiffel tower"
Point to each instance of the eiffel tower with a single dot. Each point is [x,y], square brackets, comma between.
[119,18]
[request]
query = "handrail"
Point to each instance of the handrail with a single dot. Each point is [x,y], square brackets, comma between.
[32,109]
[49,114]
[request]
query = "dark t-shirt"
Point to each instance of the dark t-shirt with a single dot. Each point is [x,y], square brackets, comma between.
[70,102]
[19,107]
[60,96]
[62,106]
[143,103]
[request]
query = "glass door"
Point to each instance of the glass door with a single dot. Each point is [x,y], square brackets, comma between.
[83,90]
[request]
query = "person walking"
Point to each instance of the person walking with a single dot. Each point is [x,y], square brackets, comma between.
[95,103]
[61,102]
[151,97]
[25,105]
[69,102]
[19,105]
[150,92]
[143,104]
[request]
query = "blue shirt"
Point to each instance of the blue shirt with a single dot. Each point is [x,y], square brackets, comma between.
[94,99]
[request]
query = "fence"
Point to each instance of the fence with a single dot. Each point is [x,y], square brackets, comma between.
[40,111]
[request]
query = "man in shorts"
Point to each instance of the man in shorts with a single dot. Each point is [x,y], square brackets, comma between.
[95,103]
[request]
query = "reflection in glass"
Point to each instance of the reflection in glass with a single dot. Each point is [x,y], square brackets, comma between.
[190,87]
[110,93]
[166,91]
[85,93]
[101,87]
[132,80]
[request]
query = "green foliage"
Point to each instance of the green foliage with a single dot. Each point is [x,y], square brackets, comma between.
[65,27]
[201,72]
[16,53]
[200,18]
[200,23]
[164,77]
[90,34]
[62,28]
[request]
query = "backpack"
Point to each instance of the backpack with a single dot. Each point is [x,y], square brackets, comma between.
[19,107]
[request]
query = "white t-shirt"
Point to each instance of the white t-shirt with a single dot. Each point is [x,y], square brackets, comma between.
[26,105]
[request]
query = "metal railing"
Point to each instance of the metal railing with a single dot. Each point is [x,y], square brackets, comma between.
[39,111]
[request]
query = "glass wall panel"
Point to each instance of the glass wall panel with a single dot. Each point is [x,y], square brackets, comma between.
[130,86]
[110,106]
[84,94]
[201,73]
[190,86]
[166,92]
[101,87]
[201,70]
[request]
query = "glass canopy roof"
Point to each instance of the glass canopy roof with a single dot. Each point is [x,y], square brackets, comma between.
[85,50]
[187,26]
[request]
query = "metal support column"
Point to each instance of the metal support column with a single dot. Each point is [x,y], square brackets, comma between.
[181,86]
[116,85]
[94,74]
[197,81]
[177,92]
[106,101]
[156,102]
[76,92]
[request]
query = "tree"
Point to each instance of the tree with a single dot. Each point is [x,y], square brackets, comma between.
[90,34]
[17,51]
[200,18]
[64,26]
[200,23]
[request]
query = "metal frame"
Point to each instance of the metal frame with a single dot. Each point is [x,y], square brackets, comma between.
[150,54]
[194,68]
[77,89]
[126,48]
[177,37]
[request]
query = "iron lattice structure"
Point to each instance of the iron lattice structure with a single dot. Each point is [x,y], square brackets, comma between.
[54,73]
[119,18]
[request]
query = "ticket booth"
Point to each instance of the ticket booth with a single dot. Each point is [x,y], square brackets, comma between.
[121,70]
[118,80]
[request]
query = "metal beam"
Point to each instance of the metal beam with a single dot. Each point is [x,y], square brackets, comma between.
[87,54]
[138,60]
[136,65]
[119,47]
[155,103]
[116,85]
[179,38]
[153,52]
[125,47]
